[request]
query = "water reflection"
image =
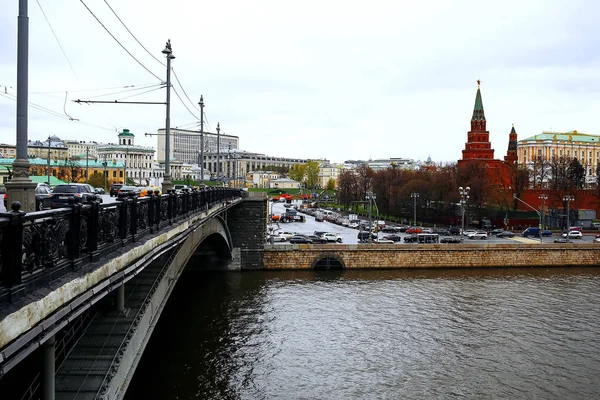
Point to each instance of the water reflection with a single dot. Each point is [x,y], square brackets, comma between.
[504,333]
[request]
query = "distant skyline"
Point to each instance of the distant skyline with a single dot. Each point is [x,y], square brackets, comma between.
[338,80]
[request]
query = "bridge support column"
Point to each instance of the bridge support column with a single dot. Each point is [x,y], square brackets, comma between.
[120,298]
[49,369]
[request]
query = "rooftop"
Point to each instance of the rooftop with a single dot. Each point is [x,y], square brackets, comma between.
[571,136]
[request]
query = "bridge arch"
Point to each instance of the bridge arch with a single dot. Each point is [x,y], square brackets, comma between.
[210,247]
[327,261]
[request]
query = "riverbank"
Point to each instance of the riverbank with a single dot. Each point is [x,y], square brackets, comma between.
[406,256]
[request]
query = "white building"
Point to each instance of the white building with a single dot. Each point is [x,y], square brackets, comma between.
[185,144]
[78,148]
[138,160]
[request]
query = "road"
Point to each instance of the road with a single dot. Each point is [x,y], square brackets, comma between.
[349,235]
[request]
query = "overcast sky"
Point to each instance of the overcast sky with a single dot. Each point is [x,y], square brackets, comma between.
[314,79]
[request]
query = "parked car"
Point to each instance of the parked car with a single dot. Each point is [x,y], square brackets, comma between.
[65,194]
[287,235]
[562,240]
[450,239]
[98,190]
[126,190]
[114,189]
[573,235]
[333,237]
[454,230]
[393,237]
[414,229]
[297,239]
[478,235]
[276,238]
[426,230]
[412,238]
[533,231]
[364,235]
[442,232]
[181,188]
[496,231]
[382,240]
[317,239]
[42,196]
[468,232]
[503,234]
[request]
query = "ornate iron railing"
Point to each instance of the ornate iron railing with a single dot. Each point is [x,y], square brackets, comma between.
[41,246]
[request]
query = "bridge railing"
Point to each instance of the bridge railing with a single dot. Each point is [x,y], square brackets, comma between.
[38,247]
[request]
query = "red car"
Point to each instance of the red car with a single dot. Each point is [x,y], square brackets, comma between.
[414,229]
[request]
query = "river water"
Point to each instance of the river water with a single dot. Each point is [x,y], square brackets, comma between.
[394,334]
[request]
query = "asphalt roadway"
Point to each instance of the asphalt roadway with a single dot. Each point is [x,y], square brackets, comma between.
[349,235]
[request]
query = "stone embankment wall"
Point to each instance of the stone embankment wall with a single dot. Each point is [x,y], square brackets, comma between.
[247,223]
[365,256]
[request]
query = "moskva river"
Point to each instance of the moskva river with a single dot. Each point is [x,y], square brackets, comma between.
[423,334]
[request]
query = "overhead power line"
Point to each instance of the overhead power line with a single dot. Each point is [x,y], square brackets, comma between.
[123,47]
[96,90]
[132,35]
[58,41]
[183,102]
[157,85]
[186,95]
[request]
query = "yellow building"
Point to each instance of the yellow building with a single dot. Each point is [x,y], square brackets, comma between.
[573,144]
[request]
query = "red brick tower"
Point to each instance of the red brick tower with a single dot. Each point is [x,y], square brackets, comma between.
[511,154]
[478,146]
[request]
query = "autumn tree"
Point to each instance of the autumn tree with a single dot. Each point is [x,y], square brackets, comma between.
[312,174]
[347,187]
[97,180]
[298,172]
[330,184]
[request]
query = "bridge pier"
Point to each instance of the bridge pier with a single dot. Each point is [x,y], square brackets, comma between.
[120,298]
[49,369]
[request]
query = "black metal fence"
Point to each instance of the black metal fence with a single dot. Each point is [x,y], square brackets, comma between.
[39,247]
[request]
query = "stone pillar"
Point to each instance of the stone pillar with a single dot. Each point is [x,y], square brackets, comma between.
[49,369]
[247,223]
[20,188]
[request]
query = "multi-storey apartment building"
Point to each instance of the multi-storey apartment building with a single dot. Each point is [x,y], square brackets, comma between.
[79,148]
[185,144]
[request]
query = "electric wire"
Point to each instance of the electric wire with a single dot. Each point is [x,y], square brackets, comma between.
[127,91]
[54,113]
[132,35]
[123,47]
[184,92]
[183,102]
[93,90]
[58,41]
[138,94]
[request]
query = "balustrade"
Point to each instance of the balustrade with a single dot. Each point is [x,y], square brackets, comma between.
[40,246]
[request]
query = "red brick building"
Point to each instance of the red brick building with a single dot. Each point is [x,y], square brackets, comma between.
[478,148]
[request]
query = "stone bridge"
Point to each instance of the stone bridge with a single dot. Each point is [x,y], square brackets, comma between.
[75,262]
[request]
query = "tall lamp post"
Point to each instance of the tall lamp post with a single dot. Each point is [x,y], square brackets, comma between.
[415,196]
[20,187]
[542,197]
[49,160]
[538,213]
[167,184]
[464,198]
[218,152]
[201,161]
[568,199]
[370,196]
[87,162]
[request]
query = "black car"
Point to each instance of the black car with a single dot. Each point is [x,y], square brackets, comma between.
[300,239]
[364,235]
[502,234]
[393,237]
[442,232]
[64,195]
[42,194]
[317,239]
[411,238]
[114,189]
[454,230]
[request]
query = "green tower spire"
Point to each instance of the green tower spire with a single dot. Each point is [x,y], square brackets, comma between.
[478,114]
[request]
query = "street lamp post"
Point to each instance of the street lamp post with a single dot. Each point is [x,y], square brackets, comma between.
[415,196]
[370,196]
[87,159]
[464,198]
[104,164]
[568,199]
[20,187]
[49,160]
[543,197]
[167,184]
[539,213]
[201,161]
[218,152]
